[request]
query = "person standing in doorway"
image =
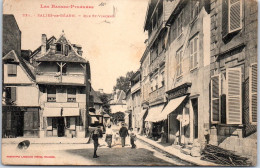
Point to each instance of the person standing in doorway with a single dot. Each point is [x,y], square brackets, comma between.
[96,134]
[123,132]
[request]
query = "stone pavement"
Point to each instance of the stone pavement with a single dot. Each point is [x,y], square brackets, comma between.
[48,140]
[177,153]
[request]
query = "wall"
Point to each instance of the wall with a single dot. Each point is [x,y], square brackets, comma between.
[11,35]
[20,78]
[27,96]
[239,138]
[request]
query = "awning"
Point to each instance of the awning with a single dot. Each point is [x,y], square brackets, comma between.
[52,112]
[154,113]
[170,107]
[70,112]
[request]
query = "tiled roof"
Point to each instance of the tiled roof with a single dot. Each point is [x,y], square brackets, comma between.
[72,57]
[96,97]
[39,48]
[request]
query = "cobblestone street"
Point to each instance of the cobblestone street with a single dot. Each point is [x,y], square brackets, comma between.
[82,154]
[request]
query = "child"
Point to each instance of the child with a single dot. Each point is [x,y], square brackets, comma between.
[132,138]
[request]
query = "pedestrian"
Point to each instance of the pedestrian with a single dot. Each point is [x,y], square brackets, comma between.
[132,138]
[109,134]
[96,134]
[123,132]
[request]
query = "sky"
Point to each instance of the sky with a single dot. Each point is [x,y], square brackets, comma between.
[113,46]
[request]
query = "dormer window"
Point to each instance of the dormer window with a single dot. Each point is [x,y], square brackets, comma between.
[58,47]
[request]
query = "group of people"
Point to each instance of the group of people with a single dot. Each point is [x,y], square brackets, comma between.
[123,133]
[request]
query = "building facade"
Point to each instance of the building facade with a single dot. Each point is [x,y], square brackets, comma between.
[63,76]
[20,110]
[233,73]
[137,122]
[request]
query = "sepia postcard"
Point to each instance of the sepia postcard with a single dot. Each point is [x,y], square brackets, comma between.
[129,82]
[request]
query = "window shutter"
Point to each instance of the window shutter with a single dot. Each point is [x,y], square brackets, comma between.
[13,94]
[195,51]
[253,94]
[8,120]
[235,15]
[224,17]
[215,98]
[11,69]
[234,103]
[191,54]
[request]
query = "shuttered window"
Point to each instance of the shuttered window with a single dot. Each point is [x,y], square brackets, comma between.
[71,95]
[12,69]
[51,94]
[194,46]
[215,98]
[253,93]
[179,62]
[10,94]
[231,16]
[234,103]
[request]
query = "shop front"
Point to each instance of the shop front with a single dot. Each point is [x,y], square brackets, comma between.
[63,122]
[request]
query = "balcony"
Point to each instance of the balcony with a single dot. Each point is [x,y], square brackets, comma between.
[135,87]
[160,60]
[157,95]
[53,78]
[156,30]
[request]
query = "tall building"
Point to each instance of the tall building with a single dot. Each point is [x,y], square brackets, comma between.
[63,76]
[233,73]
[20,94]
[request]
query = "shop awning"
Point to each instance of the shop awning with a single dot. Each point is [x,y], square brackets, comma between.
[170,107]
[70,112]
[154,113]
[52,112]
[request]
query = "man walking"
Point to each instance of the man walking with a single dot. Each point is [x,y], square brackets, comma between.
[96,134]
[123,132]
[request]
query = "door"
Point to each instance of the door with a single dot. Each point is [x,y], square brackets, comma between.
[60,126]
[18,124]
[195,111]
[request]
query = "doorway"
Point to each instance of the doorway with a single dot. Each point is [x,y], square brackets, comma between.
[195,111]
[59,126]
[18,124]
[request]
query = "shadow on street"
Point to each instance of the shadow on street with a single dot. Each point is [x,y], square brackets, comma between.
[121,156]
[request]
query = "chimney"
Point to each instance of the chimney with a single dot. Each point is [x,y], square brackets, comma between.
[80,52]
[43,46]
[52,48]
[101,91]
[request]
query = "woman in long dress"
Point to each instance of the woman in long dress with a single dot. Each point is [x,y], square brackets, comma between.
[109,134]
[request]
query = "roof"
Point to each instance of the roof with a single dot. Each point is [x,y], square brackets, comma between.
[73,56]
[120,98]
[39,48]
[29,69]
[149,11]
[96,96]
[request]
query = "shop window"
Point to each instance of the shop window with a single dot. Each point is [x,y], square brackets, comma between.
[51,94]
[11,69]
[231,16]
[71,94]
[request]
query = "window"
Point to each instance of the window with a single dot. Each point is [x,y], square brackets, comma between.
[231,16]
[253,94]
[58,47]
[194,46]
[66,50]
[11,69]
[233,103]
[215,98]
[10,94]
[91,100]
[71,95]
[163,78]
[195,11]
[179,62]
[51,94]
[179,24]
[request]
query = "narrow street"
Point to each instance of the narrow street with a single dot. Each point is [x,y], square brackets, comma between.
[82,154]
